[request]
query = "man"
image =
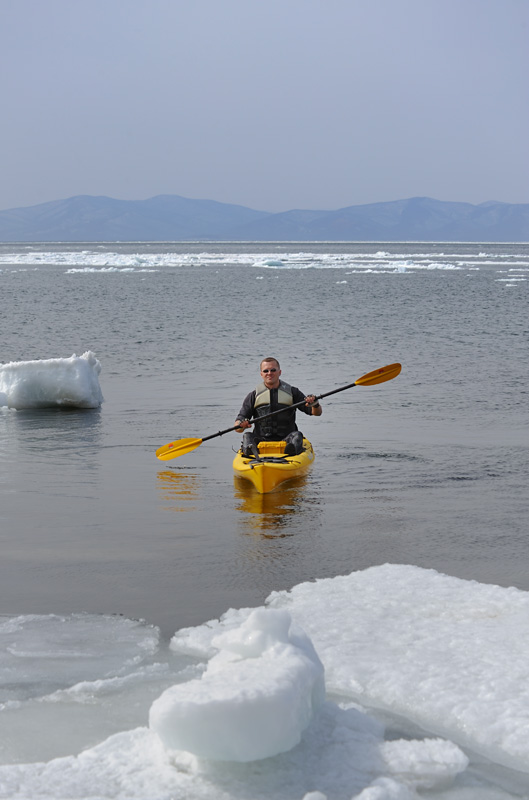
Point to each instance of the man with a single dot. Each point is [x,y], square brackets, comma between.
[273,394]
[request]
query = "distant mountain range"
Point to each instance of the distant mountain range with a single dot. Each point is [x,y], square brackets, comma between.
[172,218]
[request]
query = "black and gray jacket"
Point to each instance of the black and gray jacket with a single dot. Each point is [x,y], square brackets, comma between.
[263,401]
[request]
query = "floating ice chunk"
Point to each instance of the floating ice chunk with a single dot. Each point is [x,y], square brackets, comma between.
[54,382]
[272,262]
[197,641]
[255,698]
[423,764]
[399,634]
[386,789]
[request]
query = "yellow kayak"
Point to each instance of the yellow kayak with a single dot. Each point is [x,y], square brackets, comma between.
[272,467]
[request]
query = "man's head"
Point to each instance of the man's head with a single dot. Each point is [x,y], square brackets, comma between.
[270,372]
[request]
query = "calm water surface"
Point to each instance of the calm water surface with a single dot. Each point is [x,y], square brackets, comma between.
[429,469]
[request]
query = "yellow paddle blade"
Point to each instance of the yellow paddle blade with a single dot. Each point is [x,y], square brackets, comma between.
[178,448]
[379,375]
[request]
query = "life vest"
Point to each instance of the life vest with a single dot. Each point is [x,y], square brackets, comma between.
[266,401]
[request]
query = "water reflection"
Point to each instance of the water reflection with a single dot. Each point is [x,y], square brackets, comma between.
[179,489]
[49,455]
[46,419]
[269,515]
[63,432]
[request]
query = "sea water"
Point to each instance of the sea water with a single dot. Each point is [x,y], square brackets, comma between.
[428,470]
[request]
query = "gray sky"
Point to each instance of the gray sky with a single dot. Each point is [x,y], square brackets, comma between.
[274,105]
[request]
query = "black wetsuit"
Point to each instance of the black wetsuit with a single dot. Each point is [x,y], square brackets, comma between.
[281,427]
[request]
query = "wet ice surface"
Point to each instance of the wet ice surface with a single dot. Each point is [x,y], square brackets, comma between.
[426,690]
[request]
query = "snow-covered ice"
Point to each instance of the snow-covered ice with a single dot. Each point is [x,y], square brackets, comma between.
[52,383]
[449,655]
[426,680]
[254,700]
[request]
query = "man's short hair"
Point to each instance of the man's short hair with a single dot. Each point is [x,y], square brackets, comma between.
[270,358]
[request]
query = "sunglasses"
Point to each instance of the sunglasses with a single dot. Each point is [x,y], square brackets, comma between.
[265,371]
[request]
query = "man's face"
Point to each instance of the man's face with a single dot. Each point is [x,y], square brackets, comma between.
[270,373]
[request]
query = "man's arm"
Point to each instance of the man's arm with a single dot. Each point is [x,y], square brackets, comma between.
[312,406]
[246,412]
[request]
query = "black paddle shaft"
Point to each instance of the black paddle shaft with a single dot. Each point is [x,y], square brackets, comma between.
[280,411]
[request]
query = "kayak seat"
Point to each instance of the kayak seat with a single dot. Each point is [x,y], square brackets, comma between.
[272,448]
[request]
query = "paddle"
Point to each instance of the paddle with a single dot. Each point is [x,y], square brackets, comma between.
[183,446]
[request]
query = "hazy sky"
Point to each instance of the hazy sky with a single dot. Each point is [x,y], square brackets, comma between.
[274,104]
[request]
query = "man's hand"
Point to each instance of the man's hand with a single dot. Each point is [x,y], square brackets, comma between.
[314,404]
[242,425]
